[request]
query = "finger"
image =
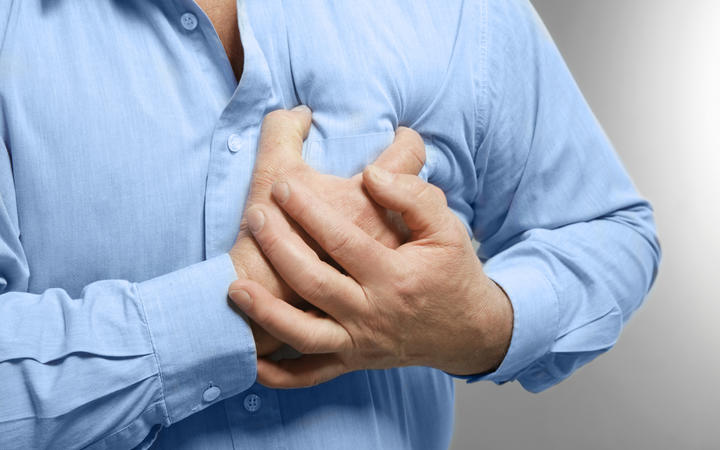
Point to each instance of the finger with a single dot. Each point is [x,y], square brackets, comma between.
[406,154]
[422,205]
[265,343]
[297,264]
[280,147]
[306,371]
[359,254]
[305,332]
[282,134]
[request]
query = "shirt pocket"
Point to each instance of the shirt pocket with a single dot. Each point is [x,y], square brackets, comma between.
[346,156]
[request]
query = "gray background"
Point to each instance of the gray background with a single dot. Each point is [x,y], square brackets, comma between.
[650,69]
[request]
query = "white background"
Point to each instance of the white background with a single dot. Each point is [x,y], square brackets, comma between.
[650,70]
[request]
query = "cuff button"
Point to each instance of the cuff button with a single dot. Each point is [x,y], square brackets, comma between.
[211,394]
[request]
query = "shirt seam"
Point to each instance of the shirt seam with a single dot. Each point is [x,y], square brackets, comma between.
[155,354]
[445,81]
[481,79]
[3,38]
[556,304]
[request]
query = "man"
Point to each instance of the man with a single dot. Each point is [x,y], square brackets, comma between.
[129,148]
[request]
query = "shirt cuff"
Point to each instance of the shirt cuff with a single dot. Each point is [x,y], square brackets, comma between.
[205,350]
[535,320]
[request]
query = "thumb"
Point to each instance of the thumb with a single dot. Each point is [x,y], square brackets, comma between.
[281,138]
[422,205]
[406,154]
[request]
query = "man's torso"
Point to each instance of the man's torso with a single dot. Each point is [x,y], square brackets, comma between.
[130,113]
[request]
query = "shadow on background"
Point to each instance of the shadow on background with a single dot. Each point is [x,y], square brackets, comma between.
[650,69]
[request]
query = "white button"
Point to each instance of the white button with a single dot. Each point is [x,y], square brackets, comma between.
[211,394]
[189,21]
[252,402]
[235,143]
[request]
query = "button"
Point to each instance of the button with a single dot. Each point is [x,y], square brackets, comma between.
[252,402]
[189,21]
[235,143]
[211,394]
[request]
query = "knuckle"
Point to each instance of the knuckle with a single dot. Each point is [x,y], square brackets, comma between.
[316,285]
[415,156]
[418,152]
[340,243]
[265,177]
[403,282]
[417,149]
[307,344]
[431,194]
[421,190]
[404,285]
[304,346]
[269,243]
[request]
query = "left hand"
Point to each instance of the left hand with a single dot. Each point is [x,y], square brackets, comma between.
[426,303]
[280,155]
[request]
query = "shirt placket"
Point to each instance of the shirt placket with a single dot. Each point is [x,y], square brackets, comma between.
[255,419]
[253,416]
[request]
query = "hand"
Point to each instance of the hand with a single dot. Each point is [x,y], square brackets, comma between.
[426,303]
[279,155]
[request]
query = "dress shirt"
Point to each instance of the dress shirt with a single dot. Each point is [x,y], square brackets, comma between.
[127,153]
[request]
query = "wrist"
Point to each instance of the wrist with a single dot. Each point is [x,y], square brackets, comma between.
[492,325]
[239,255]
[484,336]
[498,326]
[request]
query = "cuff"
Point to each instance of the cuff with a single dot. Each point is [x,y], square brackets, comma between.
[205,350]
[535,320]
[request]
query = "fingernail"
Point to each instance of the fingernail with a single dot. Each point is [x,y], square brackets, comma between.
[301,108]
[379,175]
[281,191]
[241,298]
[255,220]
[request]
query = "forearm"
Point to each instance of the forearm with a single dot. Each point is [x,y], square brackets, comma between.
[572,289]
[141,354]
[561,225]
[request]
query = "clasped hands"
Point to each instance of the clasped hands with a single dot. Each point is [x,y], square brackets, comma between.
[324,268]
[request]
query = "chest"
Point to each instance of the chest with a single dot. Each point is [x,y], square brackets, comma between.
[223,15]
[139,133]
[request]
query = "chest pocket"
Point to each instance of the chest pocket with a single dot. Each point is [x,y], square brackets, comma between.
[348,155]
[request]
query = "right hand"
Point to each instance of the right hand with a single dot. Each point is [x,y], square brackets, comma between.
[279,156]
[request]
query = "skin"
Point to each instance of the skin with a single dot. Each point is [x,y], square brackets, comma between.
[427,302]
[405,155]
[280,155]
[223,15]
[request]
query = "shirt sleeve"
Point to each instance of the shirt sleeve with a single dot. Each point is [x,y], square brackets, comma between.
[109,368]
[561,227]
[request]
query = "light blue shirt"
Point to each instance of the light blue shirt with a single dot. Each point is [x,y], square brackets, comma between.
[127,153]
